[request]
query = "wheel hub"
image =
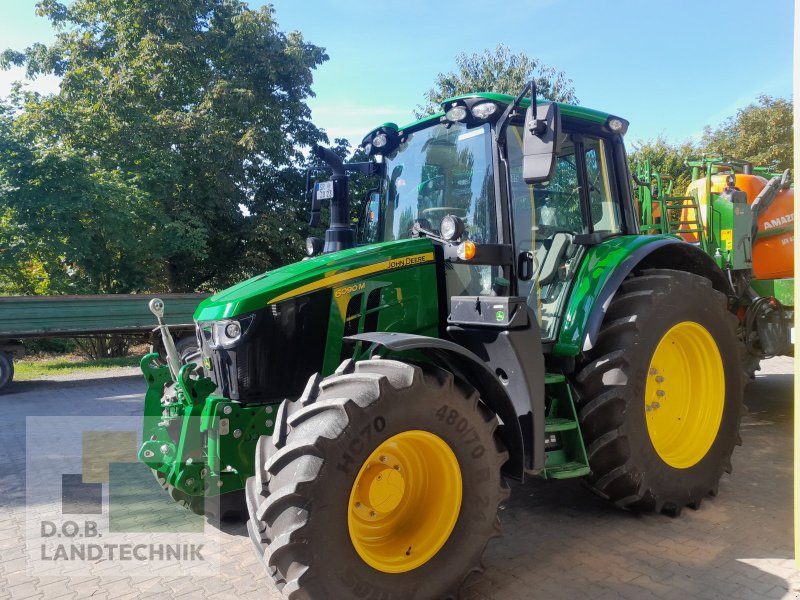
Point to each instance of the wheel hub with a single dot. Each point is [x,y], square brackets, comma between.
[380,490]
[405,501]
[684,395]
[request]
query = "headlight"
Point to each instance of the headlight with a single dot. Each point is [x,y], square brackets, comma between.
[233,331]
[484,110]
[451,228]
[225,333]
[457,113]
[379,141]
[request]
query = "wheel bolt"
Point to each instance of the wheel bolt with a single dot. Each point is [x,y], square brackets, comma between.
[653,370]
[383,459]
[659,379]
[190,482]
[372,514]
[358,504]
[164,449]
[227,410]
[661,393]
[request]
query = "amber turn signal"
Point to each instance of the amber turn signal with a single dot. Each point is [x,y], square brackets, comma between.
[466,250]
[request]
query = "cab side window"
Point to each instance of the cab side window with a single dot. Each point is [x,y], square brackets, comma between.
[603,202]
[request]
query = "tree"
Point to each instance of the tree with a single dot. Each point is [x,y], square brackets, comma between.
[761,133]
[665,158]
[174,114]
[499,71]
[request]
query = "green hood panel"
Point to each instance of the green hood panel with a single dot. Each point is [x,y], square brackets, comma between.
[326,270]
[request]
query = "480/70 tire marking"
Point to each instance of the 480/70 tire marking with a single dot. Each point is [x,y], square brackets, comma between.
[450,416]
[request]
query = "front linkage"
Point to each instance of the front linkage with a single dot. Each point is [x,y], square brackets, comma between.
[186,429]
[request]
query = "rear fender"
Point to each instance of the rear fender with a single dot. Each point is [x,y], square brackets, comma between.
[602,271]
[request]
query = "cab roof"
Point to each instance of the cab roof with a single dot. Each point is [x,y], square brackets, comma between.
[568,110]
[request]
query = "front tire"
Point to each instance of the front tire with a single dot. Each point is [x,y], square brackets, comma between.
[380,481]
[661,393]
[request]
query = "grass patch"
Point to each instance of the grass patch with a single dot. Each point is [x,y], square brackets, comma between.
[27,369]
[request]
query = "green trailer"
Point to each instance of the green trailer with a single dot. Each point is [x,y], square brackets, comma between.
[24,317]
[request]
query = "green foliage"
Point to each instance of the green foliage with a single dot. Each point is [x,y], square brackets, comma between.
[167,151]
[35,346]
[499,71]
[27,369]
[666,159]
[761,133]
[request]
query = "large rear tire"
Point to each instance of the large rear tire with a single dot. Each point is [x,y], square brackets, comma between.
[661,393]
[382,481]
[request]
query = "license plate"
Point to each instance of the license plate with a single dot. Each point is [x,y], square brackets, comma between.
[324,190]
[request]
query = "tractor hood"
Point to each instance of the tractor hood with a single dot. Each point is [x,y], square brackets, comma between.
[324,271]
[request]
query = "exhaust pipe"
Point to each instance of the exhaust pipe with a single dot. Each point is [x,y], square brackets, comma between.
[339,235]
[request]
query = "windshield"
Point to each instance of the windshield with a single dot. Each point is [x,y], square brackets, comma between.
[437,171]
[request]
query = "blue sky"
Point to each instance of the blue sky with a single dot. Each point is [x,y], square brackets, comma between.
[668,67]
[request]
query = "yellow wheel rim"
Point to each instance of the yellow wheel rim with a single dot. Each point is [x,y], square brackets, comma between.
[685,395]
[405,502]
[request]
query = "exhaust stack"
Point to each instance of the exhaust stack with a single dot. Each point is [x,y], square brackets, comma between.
[339,235]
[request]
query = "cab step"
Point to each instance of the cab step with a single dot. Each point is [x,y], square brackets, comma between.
[565,453]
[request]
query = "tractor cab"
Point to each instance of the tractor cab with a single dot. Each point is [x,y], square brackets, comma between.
[458,175]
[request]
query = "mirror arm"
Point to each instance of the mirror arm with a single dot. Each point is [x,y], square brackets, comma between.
[502,122]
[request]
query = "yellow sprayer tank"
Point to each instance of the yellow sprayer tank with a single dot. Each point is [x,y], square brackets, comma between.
[773,255]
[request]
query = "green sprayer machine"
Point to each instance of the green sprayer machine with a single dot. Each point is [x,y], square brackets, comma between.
[497,313]
[743,217]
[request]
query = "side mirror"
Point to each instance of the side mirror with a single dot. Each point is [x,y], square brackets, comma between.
[542,134]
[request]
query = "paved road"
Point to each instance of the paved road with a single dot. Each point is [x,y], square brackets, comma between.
[560,541]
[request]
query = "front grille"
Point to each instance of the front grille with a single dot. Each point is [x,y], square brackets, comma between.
[281,349]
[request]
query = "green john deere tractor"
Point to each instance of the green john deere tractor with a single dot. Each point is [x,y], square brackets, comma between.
[496,315]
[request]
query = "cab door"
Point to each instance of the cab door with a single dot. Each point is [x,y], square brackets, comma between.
[552,219]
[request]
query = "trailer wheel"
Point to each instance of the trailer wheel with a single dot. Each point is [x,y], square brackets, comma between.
[661,393]
[6,370]
[382,481]
[226,507]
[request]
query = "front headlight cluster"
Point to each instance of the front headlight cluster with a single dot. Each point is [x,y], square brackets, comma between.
[225,333]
